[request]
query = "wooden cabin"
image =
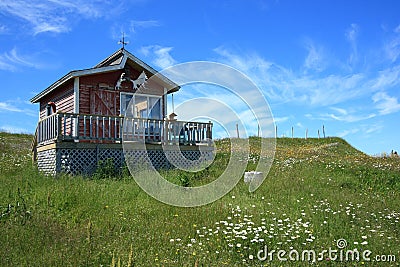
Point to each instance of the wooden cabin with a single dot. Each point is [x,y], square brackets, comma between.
[86,115]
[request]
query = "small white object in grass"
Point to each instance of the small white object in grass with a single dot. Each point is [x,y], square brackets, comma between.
[252,175]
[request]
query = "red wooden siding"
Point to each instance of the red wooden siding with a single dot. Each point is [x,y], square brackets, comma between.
[63,97]
[97,96]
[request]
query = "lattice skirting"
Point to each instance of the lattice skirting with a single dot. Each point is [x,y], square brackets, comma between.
[85,160]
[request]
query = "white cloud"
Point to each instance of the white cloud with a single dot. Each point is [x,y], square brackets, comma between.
[12,106]
[315,59]
[347,132]
[3,29]
[348,118]
[351,35]
[13,129]
[351,114]
[375,128]
[4,106]
[55,15]
[131,28]
[12,59]
[284,85]
[281,119]
[386,78]
[385,103]
[137,24]
[159,55]
[392,47]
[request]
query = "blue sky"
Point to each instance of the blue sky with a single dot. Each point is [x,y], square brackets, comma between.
[332,63]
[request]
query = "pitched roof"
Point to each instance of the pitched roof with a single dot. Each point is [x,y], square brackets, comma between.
[114,62]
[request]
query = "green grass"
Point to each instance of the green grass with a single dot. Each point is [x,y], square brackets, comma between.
[318,191]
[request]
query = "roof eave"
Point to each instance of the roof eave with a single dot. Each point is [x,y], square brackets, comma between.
[97,69]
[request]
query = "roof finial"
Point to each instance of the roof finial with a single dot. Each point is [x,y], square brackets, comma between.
[122,41]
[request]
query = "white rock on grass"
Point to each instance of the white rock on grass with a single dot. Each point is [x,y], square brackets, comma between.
[252,176]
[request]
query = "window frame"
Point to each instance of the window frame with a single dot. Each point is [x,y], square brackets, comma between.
[148,96]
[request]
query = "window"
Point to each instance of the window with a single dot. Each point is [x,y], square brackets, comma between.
[143,106]
[50,108]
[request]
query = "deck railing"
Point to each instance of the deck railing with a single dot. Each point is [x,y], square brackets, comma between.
[111,129]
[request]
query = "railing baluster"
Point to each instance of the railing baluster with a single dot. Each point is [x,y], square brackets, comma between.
[115,129]
[84,126]
[65,125]
[69,126]
[97,127]
[90,127]
[120,125]
[77,126]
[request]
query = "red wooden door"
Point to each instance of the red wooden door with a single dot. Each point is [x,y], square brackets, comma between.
[103,102]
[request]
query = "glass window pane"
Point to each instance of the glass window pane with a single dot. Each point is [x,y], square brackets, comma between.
[141,106]
[125,99]
[155,108]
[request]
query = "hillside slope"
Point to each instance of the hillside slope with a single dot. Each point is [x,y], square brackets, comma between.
[319,193]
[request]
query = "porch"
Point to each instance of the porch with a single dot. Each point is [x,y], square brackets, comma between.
[76,143]
[71,127]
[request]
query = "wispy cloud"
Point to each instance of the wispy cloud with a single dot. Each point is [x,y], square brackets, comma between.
[283,85]
[281,119]
[389,77]
[9,106]
[13,129]
[4,106]
[159,55]
[363,130]
[55,15]
[12,60]
[351,35]
[392,47]
[137,24]
[386,104]
[347,132]
[342,115]
[315,59]
[3,29]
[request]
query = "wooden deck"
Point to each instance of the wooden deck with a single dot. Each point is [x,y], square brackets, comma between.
[64,127]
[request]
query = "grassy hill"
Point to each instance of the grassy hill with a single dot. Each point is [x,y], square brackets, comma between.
[317,193]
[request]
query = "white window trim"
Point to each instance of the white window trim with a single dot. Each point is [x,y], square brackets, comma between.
[146,95]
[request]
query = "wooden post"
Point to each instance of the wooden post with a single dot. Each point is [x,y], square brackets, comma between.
[237,130]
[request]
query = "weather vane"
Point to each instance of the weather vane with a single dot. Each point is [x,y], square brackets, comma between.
[122,41]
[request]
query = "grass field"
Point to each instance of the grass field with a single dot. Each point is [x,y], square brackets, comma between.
[317,192]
